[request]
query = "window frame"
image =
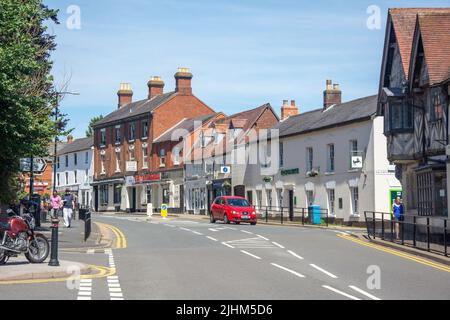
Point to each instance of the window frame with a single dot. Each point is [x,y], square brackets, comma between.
[406,112]
[331,158]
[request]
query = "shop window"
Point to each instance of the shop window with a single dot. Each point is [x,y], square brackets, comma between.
[117,193]
[432,193]
[331,201]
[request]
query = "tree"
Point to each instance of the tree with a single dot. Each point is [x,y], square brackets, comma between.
[27,93]
[90,130]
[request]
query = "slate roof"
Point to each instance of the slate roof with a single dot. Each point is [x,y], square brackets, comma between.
[435,32]
[341,114]
[186,124]
[77,145]
[404,23]
[136,108]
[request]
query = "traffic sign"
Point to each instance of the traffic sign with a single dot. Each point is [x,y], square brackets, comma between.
[39,165]
[164,210]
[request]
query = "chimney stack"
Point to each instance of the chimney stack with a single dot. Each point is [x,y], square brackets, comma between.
[288,111]
[155,87]
[125,94]
[332,95]
[183,80]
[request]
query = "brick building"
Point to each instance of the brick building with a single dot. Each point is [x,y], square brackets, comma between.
[126,162]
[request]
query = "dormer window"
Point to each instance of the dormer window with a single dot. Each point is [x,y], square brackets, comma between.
[437,112]
[162,158]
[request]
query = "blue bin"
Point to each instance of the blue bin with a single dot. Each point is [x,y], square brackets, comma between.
[315,214]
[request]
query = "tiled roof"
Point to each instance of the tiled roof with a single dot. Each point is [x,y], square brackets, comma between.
[77,145]
[435,32]
[404,22]
[355,110]
[136,108]
[187,124]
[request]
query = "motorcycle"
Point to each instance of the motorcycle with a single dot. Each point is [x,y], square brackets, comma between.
[18,237]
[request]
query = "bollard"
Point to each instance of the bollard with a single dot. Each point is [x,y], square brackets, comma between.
[54,249]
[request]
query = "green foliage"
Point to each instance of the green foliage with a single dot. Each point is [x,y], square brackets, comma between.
[94,120]
[27,94]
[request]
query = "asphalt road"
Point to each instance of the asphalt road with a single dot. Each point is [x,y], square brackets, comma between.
[182,259]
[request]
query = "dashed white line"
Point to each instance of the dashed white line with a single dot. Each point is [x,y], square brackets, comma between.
[115,291]
[185,229]
[288,270]
[295,255]
[340,292]
[364,293]
[213,230]
[226,244]
[323,271]
[211,238]
[278,245]
[85,289]
[248,232]
[259,236]
[251,255]
[197,233]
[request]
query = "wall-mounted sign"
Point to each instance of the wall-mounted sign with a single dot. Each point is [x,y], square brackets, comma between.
[131,166]
[267,179]
[288,172]
[130,181]
[225,169]
[357,162]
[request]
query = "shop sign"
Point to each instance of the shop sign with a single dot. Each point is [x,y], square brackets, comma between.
[131,166]
[267,179]
[147,178]
[289,172]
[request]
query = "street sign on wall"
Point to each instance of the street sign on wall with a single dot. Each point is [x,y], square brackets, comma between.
[39,165]
[357,162]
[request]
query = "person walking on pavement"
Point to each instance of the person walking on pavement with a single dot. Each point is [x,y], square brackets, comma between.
[69,204]
[397,209]
[55,204]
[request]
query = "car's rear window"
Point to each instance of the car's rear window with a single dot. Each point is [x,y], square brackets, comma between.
[238,203]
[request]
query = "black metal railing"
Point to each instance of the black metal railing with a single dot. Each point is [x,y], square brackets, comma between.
[296,215]
[428,233]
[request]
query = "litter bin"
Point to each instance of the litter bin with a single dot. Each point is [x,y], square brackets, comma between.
[315,214]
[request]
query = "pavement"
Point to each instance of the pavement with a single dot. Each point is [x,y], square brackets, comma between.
[184,258]
[19,268]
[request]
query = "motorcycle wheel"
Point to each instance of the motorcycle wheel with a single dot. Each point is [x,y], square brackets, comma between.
[39,249]
[3,257]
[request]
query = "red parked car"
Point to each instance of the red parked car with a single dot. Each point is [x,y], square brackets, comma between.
[232,209]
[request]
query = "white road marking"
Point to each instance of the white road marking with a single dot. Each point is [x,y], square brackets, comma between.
[251,255]
[364,293]
[278,245]
[113,281]
[323,271]
[85,289]
[83,298]
[340,292]
[226,244]
[84,293]
[90,251]
[251,243]
[116,295]
[185,229]
[262,237]
[211,238]
[248,232]
[295,255]
[288,270]
[197,233]
[213,230]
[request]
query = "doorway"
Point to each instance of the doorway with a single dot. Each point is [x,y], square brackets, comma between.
[133,199]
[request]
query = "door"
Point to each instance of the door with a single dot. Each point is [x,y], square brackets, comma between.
[250,197]
[291,205]
[239,191]
[133,200]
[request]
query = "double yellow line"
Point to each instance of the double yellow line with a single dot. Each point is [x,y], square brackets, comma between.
[121,240]
[417,259]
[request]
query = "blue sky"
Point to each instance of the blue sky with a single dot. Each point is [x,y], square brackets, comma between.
[242,53]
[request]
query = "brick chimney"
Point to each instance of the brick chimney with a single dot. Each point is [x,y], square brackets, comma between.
[69,138]
[288,111]
[155,87]
[332,95]
[125,94]
[183,80]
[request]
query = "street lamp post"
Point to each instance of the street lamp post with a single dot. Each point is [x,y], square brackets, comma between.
[54,262]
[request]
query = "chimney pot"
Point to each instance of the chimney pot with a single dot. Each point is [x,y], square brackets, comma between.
[125,94]
[69,138]
[292,103]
